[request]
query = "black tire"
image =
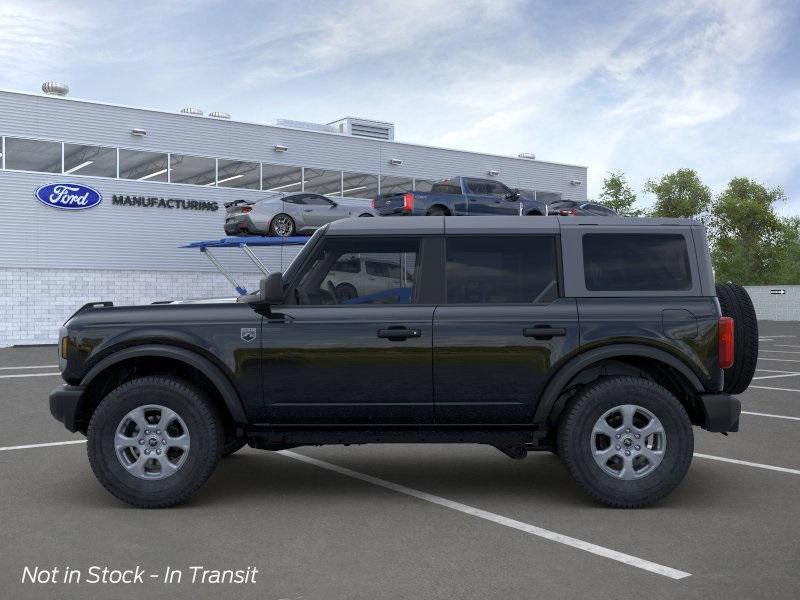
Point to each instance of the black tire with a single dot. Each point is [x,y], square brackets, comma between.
[345,291]
[437,211]
[194,408]
[575,440]
[366,215]
[735,303]
[281,216]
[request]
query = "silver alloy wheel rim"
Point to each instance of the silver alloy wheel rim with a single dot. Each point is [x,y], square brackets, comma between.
[282,226]
[152,442]
[628,442]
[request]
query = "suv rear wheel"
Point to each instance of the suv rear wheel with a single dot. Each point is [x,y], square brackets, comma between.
[154,441]
[626,440]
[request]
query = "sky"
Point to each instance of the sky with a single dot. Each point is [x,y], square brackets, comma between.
[639,87]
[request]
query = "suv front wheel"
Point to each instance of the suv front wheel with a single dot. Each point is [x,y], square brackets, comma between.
[626,440]
[154,441]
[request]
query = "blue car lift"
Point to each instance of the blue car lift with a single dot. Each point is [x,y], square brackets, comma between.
[245,244]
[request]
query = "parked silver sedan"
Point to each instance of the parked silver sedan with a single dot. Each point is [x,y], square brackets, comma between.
[289,214]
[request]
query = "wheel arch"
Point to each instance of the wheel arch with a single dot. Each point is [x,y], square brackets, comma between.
[125,364]
[444,207]
[656,364]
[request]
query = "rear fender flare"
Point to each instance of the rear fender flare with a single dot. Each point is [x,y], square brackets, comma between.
[567,372]
[202,364]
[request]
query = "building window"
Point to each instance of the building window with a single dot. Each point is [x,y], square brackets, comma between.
[90,160]
[396,185]
[196,170]
[423,185]
[33,155]
[143,166]
[325,182]
[238,174]
[359,185]
[280,178]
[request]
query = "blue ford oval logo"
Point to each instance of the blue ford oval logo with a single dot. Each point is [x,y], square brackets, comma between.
[68,196]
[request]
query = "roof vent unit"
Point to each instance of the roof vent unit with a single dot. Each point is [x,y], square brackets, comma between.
[219,115]
[192,110]
[53,88]
[493,172]
[303,125]
[375,130]
[527,155]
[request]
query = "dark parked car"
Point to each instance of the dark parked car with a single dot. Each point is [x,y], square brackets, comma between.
[572,208]
[601,339]
[286,214]
[461,196]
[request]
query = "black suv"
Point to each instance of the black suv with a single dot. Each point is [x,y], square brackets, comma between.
[600,339]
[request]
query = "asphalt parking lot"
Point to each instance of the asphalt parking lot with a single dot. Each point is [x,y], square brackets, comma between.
[412,521]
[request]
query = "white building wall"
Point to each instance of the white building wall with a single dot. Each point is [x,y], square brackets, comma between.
[771,306]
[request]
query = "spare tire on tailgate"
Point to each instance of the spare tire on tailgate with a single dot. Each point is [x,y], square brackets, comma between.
[735,303]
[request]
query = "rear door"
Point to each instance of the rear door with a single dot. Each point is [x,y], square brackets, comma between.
[503,326]
[487,197]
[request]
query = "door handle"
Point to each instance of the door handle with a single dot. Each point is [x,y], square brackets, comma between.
[399,334]
[307,210]
[544,332]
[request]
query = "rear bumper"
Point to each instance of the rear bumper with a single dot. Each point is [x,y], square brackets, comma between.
[65,404]
[721,412]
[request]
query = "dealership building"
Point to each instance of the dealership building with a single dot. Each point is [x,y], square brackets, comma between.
[161,180]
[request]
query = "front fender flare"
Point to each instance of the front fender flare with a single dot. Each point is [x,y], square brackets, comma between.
[567,372]
[202,364]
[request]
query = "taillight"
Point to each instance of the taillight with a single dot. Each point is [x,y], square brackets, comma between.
[374,202]
[408,202]
[726,352]
[246,209]
[568,212]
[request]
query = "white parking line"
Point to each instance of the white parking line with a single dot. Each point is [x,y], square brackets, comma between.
[774,371]
[748,464]
[787,346]
[28,375]
[29,367]
[763,387]
[26,446]
[781,351]
[758,414]
[774,376]
[499,519]
[779,359]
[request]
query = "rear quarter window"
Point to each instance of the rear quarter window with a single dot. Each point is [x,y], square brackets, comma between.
[615,262]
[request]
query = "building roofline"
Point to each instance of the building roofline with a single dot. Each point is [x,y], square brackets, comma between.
[339,135]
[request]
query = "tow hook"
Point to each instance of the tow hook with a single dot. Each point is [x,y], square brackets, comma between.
[515,451]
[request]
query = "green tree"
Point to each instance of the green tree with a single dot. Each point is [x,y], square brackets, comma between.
[618,195]
[751,244]
[679,195]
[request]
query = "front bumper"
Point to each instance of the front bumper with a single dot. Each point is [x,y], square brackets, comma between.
[66,402]
[721,412]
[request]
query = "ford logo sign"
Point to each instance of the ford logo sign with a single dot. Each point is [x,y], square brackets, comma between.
[68,196]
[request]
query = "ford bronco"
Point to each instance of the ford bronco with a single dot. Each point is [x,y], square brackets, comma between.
[601,339]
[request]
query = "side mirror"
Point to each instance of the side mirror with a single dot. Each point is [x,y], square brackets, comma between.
[270,291]
[514,195]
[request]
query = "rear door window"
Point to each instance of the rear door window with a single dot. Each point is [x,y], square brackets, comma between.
[615,262]
[501,270]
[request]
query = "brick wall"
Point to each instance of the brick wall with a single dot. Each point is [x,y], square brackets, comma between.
[34,303]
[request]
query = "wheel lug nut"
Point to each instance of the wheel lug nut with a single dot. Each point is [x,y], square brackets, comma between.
[146,431]
[627,452]
[147,451]
[164,442]
[141,441]
[158,451]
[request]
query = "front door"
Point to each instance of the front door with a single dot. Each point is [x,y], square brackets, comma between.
[501,329]
[349,347]
[319,210]
[487,197]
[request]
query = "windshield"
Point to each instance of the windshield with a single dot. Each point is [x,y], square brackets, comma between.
[288,274]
